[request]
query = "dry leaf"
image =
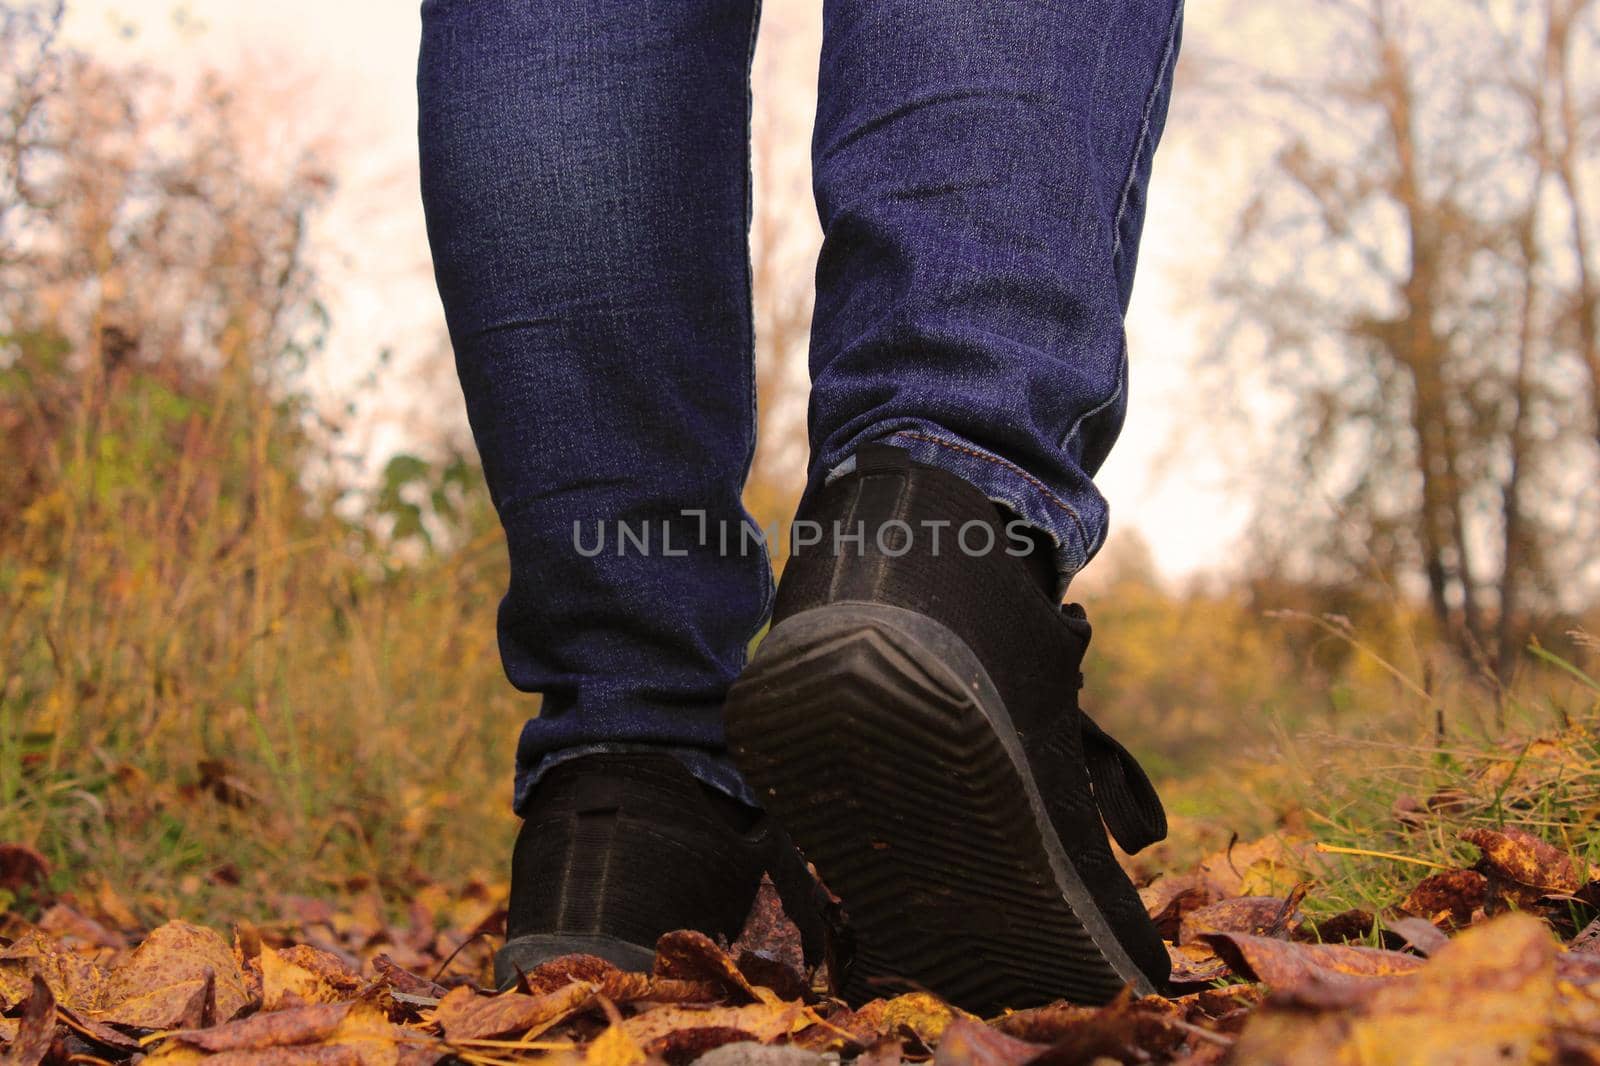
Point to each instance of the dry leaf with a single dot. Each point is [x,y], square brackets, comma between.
[1489,996]
[1527,860]
[1257,915]
[921,1014]
[691,956]
[1319,973]
[154,985]
[757,1021]
[301,975]
[970,1043]
[613,1048]
[21,867]
[1448,898]
[36,1028]
[73,979]
[467,1015]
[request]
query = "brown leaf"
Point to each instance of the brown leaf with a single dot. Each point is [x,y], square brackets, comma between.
[682,1046]
[1044,1025]
[72,926]
[21,867]
[970,1043]
[352,1032]
[756,1021]
[1527,860]
[561,972]
[688,955]
[1448,897]
[96,1032]
[884,1051]
[36,1030]
[763,971]
[1354,924]
[269,1029]
[1126,1030]
[1167,899]
[1257,915]
[769,933]
[613,1048]
[468,1015]
[154,985]
[300,975]
[74,979]
[201,1009]
[919,1014]
[1271,866]
[1195,964]
[1420,934]
[1314,973]
[402,980]
[1490,995]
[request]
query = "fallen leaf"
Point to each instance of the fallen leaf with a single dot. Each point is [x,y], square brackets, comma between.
[74,979]
[1524,858]
[1489,996]
[73,927]
[301,975]
[768,932]
[683,1046]
[1257,915]
[37,1027]
[468,1015]
[1420,934]
[402,980]
[1125,1030]
[1271,866]
[1449,898]
[613,1048]
[688,955]
[153,986]
[268,1029]
[21,867]
[1318,973]
[1354,924]
[1167,899]
[970,1043]
[757,1021]
[920,1014]
[1195,964]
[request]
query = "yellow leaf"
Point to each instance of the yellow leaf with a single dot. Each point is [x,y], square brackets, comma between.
[614,1047]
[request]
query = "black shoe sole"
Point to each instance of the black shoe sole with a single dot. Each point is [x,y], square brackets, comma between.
[877,739]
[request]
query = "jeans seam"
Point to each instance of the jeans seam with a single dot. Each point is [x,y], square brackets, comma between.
[750,311]
[1163,73]
[1005,464]
[1157,85]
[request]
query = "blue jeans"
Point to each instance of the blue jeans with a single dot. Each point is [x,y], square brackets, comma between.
[980,171]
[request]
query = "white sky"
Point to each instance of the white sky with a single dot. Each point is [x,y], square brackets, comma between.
[358,58]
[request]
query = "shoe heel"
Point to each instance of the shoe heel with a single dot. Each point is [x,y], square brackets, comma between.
[878,740]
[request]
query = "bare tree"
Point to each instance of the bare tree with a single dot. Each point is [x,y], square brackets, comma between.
[1416,267]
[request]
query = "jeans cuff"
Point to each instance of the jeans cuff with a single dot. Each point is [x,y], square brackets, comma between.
[1006,483]
[710,769]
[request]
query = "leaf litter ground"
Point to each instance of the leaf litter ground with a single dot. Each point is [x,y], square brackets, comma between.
[1495,959]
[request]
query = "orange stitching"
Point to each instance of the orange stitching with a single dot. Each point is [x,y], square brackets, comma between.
[1014,468]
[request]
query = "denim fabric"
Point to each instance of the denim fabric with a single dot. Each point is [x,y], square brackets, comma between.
[980,173]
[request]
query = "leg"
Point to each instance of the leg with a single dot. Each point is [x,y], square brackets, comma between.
[912,717]
[585,178]
[980,173]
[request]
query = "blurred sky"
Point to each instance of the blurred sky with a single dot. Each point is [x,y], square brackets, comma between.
[351,66]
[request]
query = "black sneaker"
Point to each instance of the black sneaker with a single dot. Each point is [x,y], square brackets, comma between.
[617,849]
[912,720]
